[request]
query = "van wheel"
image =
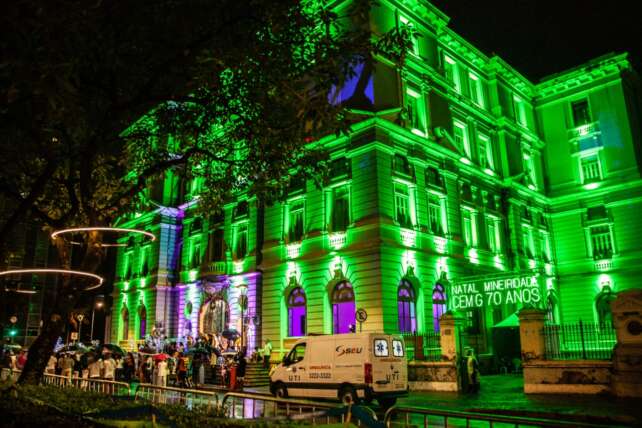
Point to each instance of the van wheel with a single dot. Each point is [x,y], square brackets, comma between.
[280,391]
[347,395]
[387,403]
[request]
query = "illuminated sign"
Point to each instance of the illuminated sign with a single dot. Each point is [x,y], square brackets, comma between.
[524,289]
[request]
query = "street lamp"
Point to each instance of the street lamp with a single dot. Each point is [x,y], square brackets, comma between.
[243,304]
[80,317]
[98,305]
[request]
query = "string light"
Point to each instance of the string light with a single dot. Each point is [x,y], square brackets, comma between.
[98,278]
[74,230]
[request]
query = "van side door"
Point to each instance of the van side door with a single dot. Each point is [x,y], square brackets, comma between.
[297,371]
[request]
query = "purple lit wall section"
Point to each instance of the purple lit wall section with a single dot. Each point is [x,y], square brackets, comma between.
[343,316]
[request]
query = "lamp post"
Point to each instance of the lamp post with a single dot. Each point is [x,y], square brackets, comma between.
[98,305]
[243,304]
[80,317]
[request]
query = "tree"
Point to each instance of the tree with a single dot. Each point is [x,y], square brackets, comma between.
[101,98]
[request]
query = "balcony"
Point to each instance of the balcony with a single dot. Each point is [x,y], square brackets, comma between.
[584,131]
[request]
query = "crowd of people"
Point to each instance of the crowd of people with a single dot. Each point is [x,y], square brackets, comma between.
[178,364]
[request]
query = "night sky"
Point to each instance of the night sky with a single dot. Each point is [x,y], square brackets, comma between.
[542,37]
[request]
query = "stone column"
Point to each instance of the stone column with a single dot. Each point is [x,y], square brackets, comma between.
[449,338]
[531,335]
[627,358]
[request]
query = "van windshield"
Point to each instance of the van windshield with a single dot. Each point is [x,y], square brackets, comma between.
[381,348]
[297,354]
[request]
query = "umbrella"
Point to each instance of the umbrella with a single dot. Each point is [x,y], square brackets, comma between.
[230,334]
[160,357]
[114,349]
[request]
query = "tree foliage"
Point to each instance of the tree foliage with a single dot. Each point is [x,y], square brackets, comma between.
[100,98]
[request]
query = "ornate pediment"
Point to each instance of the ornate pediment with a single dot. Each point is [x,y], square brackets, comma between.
[627,301]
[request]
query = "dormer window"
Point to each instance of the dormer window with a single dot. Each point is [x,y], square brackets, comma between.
[401,165]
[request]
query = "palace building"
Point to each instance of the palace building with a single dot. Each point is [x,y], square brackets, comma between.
[463,186]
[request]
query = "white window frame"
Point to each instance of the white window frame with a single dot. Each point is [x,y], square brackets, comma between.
[418,128]
[476,89]
[486,152]
[454,66]
[591,241]
[441,207]
[465,143]
[520,111]
[493,229]
[469,216]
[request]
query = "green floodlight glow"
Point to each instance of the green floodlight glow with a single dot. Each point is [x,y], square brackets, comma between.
[499,263]
[440,244]
[408,237]
[591,186]
[465,160]
[293,250]
[532,187]
[13,332]
[337,240]
[238,266]
[489,171]
[473,256]
[532,263]
[192,275]
[548,268]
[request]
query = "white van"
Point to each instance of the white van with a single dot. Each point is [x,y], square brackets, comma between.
[351,367]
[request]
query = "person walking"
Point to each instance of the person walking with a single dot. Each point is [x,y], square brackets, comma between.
[181,370]
[95,368]
[241,365]
[161,375]
[472,369]
[267,352]
[67,366]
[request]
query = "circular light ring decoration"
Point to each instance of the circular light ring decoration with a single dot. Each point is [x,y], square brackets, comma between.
[122,230]
[99,279]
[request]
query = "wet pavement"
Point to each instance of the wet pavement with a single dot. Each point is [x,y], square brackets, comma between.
[503,394]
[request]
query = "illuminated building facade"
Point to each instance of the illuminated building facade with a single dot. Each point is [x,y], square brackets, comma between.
[462,186]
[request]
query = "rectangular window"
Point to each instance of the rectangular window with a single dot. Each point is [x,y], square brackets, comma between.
[451,72]
[241,241]
[493,235]
[529,169]
[144,260]
[486,155]
[381,348]
[476,90]
[436,215]
[601,242]
[195,253]
[527,241]
[397,348]
[296,218]
[545,246]
[402,205]
[217,250]
[469,228]
[590,169]
[581,114]
[340,209]
[520,111]
[415,110]
[460,134]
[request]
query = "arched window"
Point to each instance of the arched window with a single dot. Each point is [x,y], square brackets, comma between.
[142,319]
[603,307]
[438,304]
[406,307]
[124,316]
[343,308]
[296,312]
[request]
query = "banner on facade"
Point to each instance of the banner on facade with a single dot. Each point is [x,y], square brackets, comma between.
[481,292]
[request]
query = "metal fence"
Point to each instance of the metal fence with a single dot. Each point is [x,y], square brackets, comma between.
[240,405]
[585,341]
[190,398]
[411,417]
[423,347]
[101,386]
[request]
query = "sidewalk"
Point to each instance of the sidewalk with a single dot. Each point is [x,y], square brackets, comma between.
[503,394]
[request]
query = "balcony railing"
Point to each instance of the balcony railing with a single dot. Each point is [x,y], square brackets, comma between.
[215,268]
[583,131]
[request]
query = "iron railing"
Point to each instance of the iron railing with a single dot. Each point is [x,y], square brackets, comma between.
[399,416]
[581,341]
[240,405]
[101,386]
[423,347]
[190,398]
